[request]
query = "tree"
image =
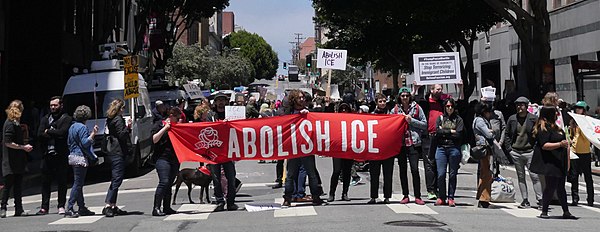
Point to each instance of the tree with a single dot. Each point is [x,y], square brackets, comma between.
[533,29]
[388,32]
[165,21]
[257,50]
[217,70]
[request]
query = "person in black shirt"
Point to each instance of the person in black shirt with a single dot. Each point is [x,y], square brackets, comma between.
[550,158]
[14,157]
[167,164]
[53,131]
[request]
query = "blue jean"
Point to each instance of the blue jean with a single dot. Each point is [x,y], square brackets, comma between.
[118,171]
[79,174]
[229,170]
[293,183]
[447,157]
[300,184]
[167,171]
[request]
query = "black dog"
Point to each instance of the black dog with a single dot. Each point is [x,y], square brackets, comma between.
[191,177]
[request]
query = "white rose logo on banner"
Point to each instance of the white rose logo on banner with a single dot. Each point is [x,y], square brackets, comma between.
[209,137]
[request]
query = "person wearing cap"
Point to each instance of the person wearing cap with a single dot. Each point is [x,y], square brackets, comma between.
[519,142]
[159,111]
[581,147]
[233,184]
[417,125]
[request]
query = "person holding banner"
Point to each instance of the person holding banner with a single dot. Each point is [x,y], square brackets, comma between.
[550,158]
[297,104]
[449,136]
[341,166]
[412,143]
[375,166]
[581,147]
[167,164]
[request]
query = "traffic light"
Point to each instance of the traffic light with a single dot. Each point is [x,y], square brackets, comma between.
[309,60]
[284,65]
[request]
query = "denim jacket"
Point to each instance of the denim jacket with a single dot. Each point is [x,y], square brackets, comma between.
[418,124]
[79,132]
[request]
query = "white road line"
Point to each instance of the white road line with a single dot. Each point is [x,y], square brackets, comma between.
[38,198]
[581,183]
[597,210]
[192,212]
[513,209]
[79,220]
[12,212]
[294,211]
[407,208]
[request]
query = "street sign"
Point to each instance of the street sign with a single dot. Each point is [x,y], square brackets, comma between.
[131,88]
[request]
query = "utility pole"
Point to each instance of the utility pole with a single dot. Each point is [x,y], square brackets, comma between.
[298,38]
[294,51]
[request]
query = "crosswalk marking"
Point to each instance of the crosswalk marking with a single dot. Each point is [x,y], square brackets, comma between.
[513,209]
[79,220]
[192,212]
[294,211]
[410,208]
[85,219]
[12,212]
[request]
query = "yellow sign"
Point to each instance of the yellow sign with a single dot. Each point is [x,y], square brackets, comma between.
[131,88]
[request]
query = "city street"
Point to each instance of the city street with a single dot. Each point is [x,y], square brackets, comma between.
[136,196]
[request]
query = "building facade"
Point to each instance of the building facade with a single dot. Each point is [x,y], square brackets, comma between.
[575,34]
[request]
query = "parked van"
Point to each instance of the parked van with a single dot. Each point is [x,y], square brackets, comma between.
[96,90]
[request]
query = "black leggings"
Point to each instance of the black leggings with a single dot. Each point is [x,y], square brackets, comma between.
[555,184]
[12,181]
[343,166]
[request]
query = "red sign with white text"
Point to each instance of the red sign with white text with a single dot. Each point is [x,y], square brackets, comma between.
[340,135]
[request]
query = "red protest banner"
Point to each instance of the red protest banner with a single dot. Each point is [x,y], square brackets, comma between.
[349,136]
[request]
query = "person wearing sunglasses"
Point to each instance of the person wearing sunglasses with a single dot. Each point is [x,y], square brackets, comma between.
[417,125]
[449,136]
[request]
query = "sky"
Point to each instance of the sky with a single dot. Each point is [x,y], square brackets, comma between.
[276,21]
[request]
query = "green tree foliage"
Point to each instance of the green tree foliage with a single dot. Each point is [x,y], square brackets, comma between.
[221,71]
[389,32]
[257,50]
[173,18]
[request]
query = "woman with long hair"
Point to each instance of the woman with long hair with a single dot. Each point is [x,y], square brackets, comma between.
[449,136]
[14,157]
[551,160]
[120,137]
[80,142]
[484,136]
[167,164]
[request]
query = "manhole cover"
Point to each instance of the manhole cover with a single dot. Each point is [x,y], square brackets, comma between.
[416,223]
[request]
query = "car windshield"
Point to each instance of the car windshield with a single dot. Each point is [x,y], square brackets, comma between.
[71,101]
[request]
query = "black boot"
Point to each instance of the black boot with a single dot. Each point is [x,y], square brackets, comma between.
[156,210]
[167,205]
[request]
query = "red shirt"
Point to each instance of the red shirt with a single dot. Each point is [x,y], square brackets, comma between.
[435,111]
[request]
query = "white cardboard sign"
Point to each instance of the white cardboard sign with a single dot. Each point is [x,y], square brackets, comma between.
[488,92]
[193,91]
[235,112]
[437,68]
[332,59]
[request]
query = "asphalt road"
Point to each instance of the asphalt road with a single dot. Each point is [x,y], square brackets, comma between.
[136,196]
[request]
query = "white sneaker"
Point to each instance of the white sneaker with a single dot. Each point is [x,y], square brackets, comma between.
[61,211]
